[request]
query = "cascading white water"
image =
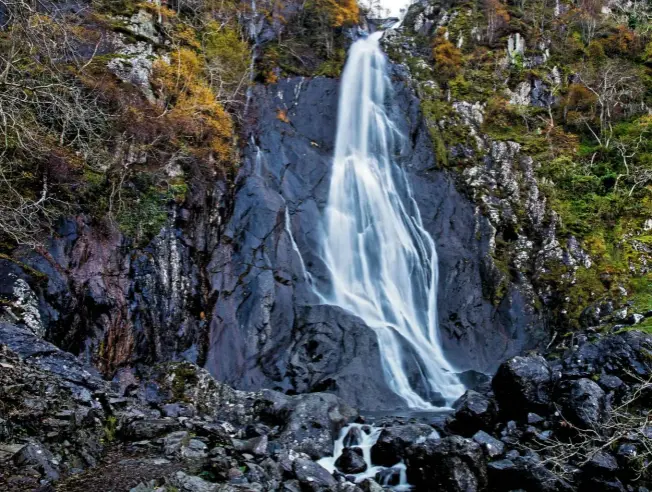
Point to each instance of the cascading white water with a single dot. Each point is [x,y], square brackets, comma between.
[382,262]
[368,437]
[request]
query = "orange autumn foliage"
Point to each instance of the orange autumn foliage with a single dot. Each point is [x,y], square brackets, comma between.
[202,124]
[338,13]
[622,42]
[447,57]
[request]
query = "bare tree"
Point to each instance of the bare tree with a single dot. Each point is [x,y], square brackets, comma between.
[41,108]
[617,88]
[629,421]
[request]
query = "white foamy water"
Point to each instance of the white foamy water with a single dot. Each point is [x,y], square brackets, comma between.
[383,263]
[367,442]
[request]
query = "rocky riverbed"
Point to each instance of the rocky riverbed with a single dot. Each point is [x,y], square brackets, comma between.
[573,419]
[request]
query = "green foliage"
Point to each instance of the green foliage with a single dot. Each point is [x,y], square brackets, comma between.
[184,374]
[144,214]
[75,127]
[333,66]
[313,41]
[447,57]
[110,427]
[228,60]
[591,146]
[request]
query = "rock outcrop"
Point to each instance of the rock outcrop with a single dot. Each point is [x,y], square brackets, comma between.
[229,283]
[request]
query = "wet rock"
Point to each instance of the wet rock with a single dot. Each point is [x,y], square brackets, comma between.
[351,461]
[453,464]
[347,487]
[312,476]
[307,349]
[393,441]
[310,423]
[353,437]
[473,412]
[40,458]
[524,473]
[255,445]
[601,464]
[389,476]
[140,430]
[491,446]
[635,319]
[189,483]
[370,485]
[523,384]
[583,403]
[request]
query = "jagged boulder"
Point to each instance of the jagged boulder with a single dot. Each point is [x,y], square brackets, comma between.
[310,423]
[522,385]
[44,416]
[623,355]
[351,461]
[353,437]
[453,464]
[583,403]
[313,477]
[393,441]
[473,412]
[524,472]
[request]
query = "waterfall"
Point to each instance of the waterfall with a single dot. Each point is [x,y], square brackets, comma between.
[382,262]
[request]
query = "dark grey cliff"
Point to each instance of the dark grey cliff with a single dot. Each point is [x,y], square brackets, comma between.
[267,327]
[229,282]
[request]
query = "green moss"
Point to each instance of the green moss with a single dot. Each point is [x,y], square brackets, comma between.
[35,274]
[332,67]
[460,87]
[110,426]
[144,215]
[184,375]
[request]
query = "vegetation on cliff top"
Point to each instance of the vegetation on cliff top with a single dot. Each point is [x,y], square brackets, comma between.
[589,63]
[113,115]
[115,111]
[120,110]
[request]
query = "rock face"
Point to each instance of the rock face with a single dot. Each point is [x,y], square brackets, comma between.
[393,441]
[523,384]
[266,313]
[452,463]
[229,282]
[351,461]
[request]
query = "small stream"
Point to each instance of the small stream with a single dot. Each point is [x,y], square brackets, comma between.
[364,436]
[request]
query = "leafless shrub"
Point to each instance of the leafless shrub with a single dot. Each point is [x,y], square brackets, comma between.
[629,421]
[42,107]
